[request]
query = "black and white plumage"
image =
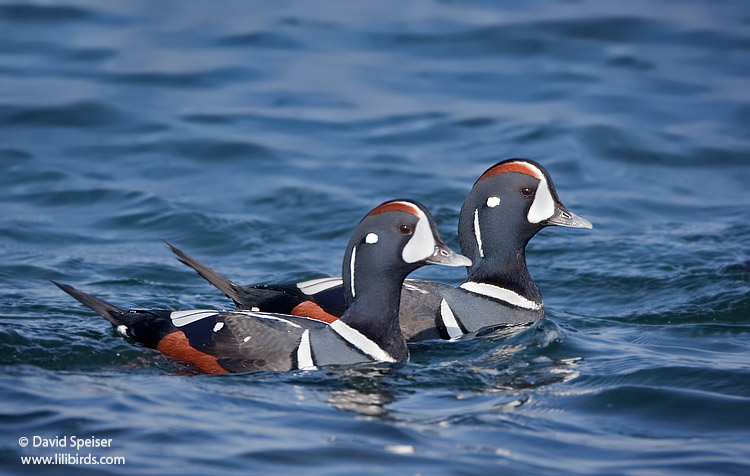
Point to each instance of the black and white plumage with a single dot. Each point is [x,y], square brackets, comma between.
[391,241]
[509,203]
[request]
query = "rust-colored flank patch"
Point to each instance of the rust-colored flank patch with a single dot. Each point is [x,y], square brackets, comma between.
[519,167]
[311,310]
[395,206]
[177,346]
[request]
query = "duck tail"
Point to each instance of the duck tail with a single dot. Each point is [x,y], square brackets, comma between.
[100,306]
[232,290]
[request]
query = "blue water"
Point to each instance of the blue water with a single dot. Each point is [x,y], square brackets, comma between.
[255,135]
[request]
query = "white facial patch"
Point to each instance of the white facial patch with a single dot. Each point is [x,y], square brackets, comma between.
[543,206]
[371,238]
[492,202]
[219,326]
[422,243]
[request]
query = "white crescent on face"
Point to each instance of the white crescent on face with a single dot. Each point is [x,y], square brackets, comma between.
[422,243]
[543,206]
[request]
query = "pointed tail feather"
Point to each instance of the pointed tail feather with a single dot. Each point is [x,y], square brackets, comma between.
[232,290]
[100,306]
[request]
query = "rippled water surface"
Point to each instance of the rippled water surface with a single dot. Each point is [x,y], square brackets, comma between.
[255,135]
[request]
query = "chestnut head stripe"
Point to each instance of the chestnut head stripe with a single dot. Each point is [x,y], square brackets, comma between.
[519,167]
[395,206]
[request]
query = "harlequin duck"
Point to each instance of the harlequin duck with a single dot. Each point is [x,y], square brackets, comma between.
[509,203]
[391,241]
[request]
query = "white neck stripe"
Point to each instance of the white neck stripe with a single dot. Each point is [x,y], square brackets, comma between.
[449,321]
[305,359]
[502,294]
[360,341]
[351,269]
[478,233]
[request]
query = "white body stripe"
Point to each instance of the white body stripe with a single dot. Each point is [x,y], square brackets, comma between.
[304,353]
[449,321]
[315,286]
[478,233]
[183,318]
[360,341]
[501,294]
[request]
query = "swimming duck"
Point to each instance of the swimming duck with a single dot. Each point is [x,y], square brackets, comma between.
[391,241]
[509,203]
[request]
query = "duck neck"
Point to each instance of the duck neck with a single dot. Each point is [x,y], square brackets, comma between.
[373,309]
[506,270]
[498,253]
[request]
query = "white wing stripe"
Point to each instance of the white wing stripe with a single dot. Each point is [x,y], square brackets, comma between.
[269,316]
[183,318]
[315,286]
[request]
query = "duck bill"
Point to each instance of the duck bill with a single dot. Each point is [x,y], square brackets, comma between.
[563,217]
[447,257]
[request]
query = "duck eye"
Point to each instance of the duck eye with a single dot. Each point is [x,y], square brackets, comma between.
[405,230]
[526,192]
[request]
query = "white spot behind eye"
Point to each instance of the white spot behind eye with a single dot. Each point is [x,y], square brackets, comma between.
[371,238]
[492,202]
[219,326]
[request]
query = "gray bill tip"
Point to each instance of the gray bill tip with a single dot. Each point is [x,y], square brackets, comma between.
[563,217]
[447,257]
